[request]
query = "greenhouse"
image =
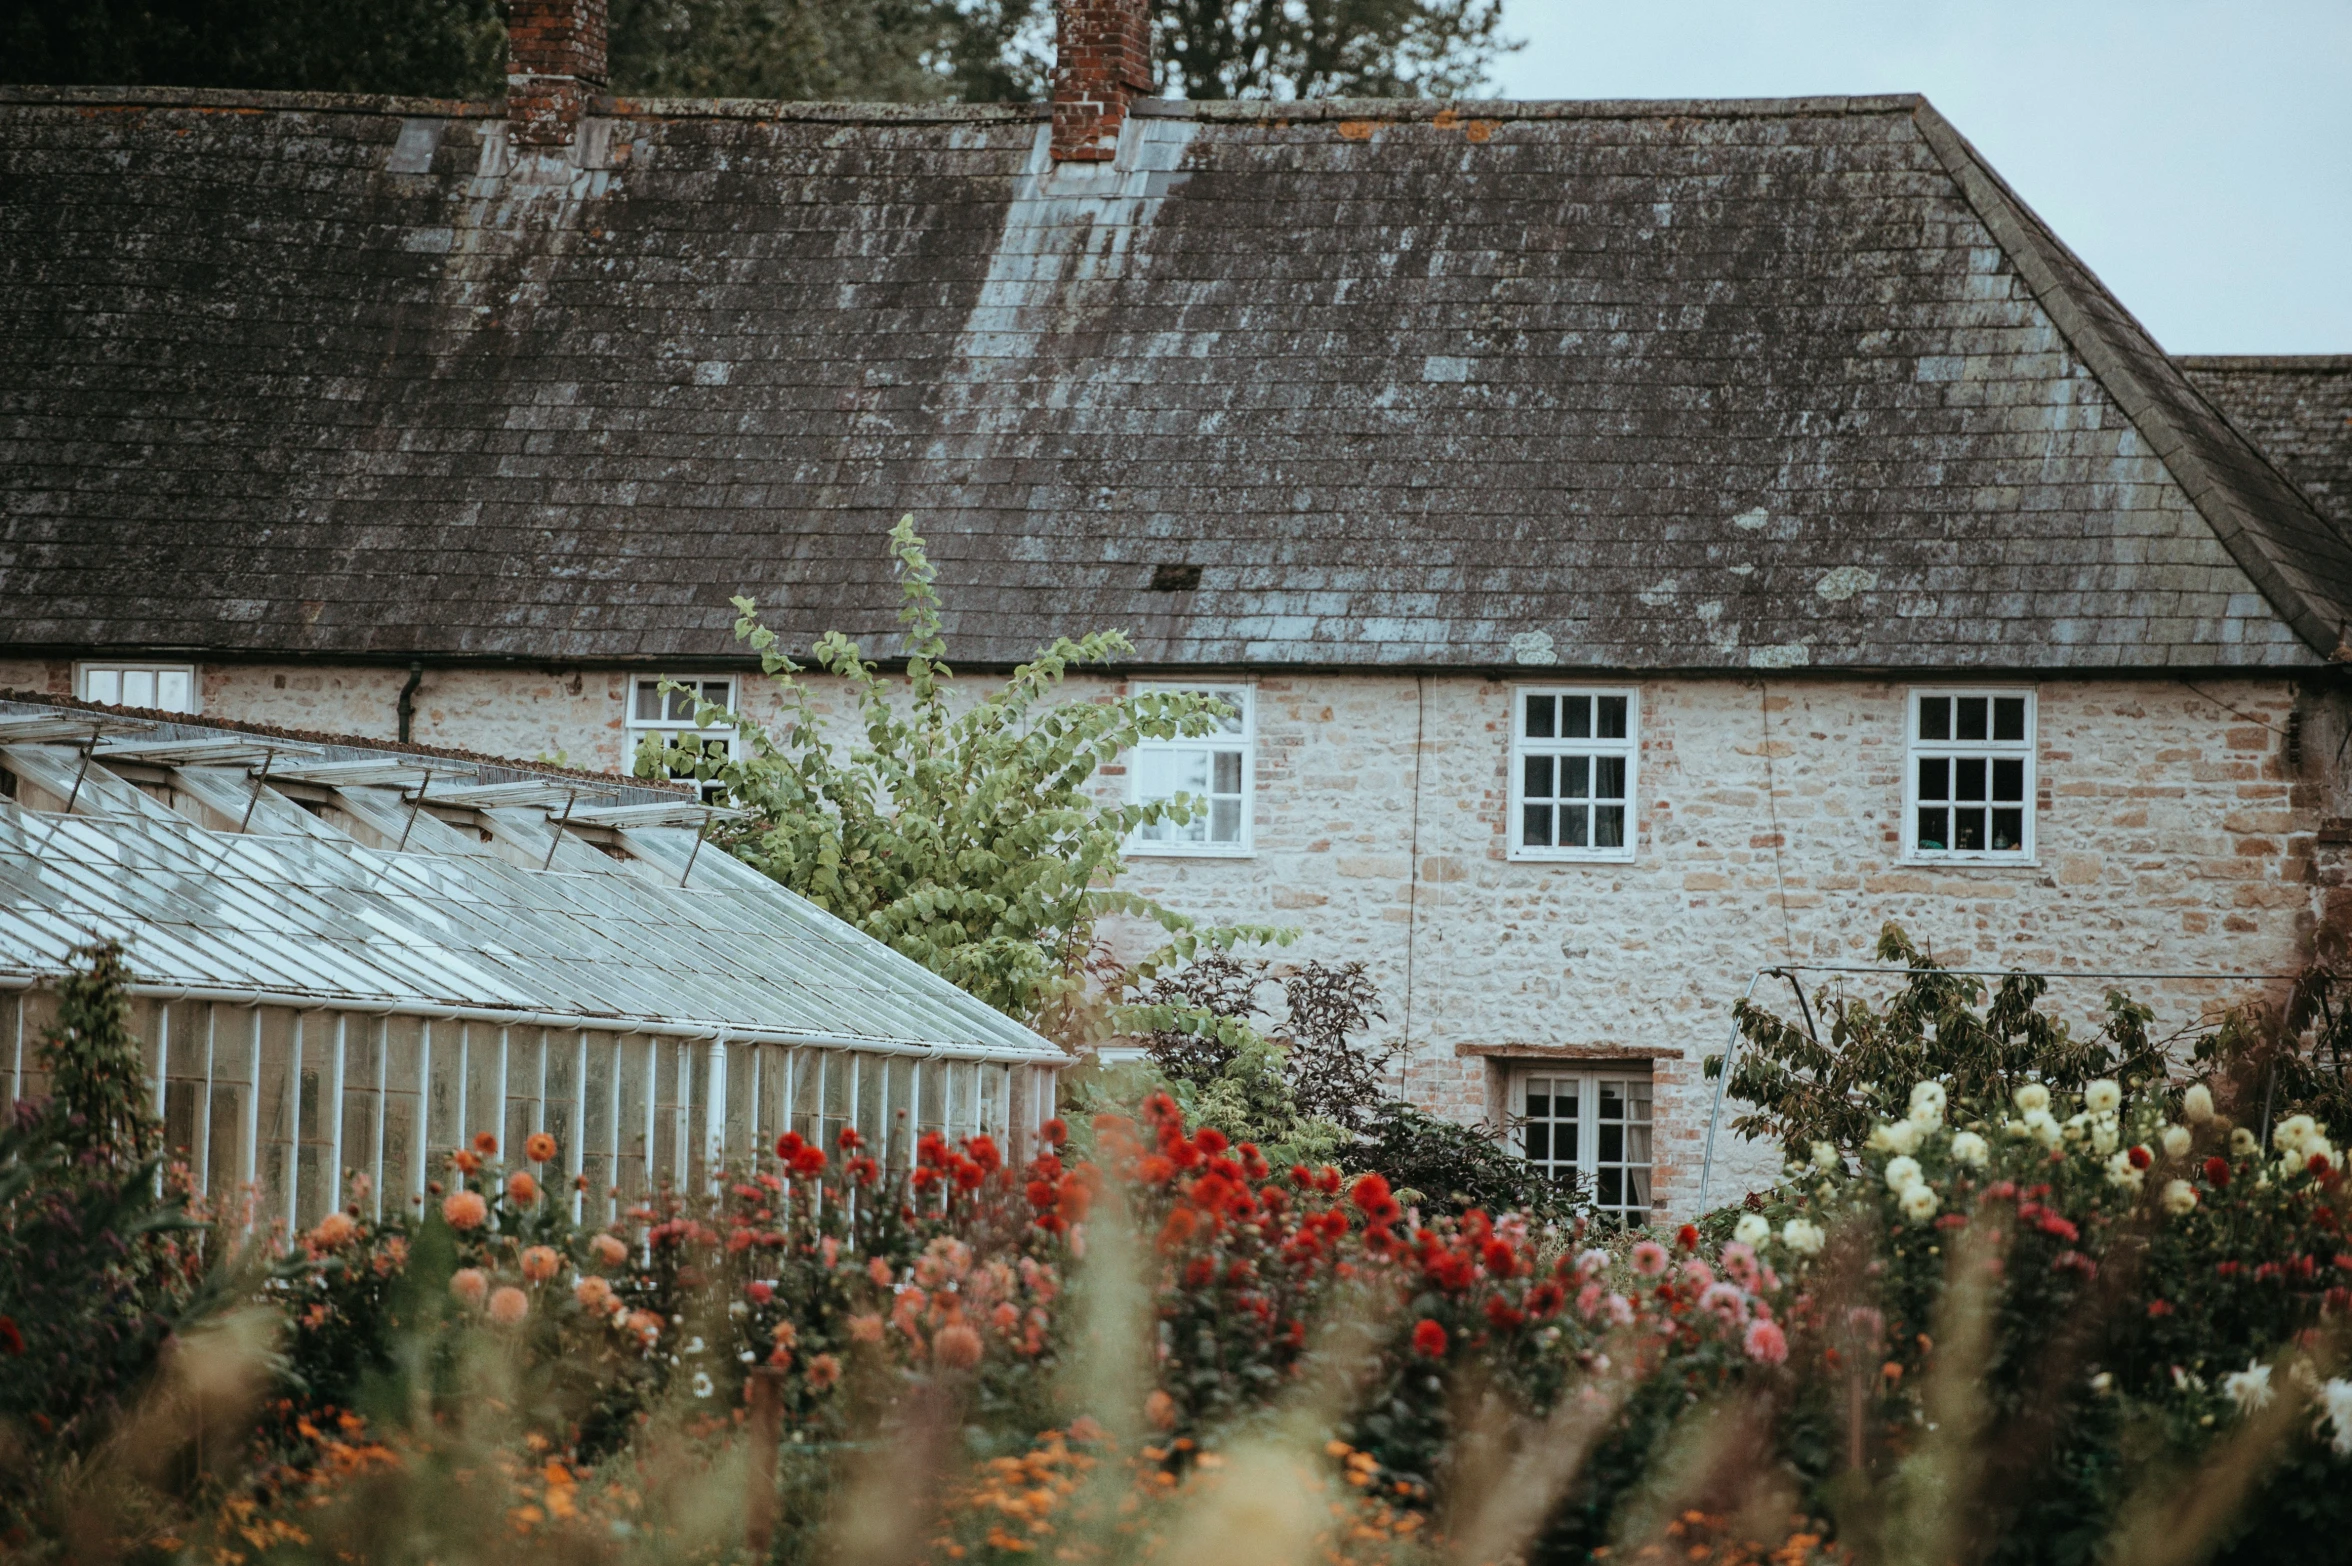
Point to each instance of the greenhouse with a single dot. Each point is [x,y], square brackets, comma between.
[351,959]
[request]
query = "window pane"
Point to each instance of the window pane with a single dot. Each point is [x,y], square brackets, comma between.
[1576,777]
[138,687]
[1612,1142]
[1572,822]
[720,691]
[2009,717]
[1225,821]
[647,708]
[1968,777]
[1228,772]
[1608,777]
[1576,717]
[1935,778]
[1612,716]
[679,707]
[1564,1133]
[1932,831]
[1539,1141]
[1163,774]
[1968,830]
[2009,777]
[102,685]
[2008,830]
[1972,717]
[1608,826]
[1237,720]
[1538,777]
[1539,717]
[1935,717]
[1535,826]
[1610,1188]
[171,691]
[1539,1097]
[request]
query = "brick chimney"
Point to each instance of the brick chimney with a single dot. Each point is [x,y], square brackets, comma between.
[554,65]
[1102,62]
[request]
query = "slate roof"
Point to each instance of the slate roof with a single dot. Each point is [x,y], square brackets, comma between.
[2297,408]
[1626,386]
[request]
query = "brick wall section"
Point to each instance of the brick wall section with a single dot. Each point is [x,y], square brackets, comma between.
[2171,837]
[555,63]
[1102,63]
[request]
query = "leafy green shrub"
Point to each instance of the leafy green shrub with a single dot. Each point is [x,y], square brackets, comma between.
[99,1264]
[1939,1027]
[1453,1168]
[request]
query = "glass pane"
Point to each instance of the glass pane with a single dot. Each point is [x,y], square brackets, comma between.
[901,1145]
[648,705]
[2009,717]
[138,688]
[519,1116]
[401,1172]
[1968,777]
[1608,777]
[597,1127]
[1536,777]
[1565,1134]
[1539,717]
[1539,1141]
[559,1103]
[1935,777]
[1575,777]
[278,1106]
[1576,717]
[445,1119]
[226,1166]
[1609,1187]
[719,692]
[102,685]
[1612,716]
[1535,826]
[1612,1142]
[1225,821]
[1608,826]
[1935,717]
[1932,830]
[1539,1097]
[1228,778]
[662,1167]
[1972,717]
[2009,777]
[2008,830]
[363,1052]
[1572,824]
[1968,830]
[1235,721]
[171,691]
[633,1068]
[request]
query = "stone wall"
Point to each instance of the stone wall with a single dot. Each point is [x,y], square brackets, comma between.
[2171,838]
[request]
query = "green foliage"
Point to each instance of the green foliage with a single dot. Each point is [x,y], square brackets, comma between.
[1327,48]
[967,836]
[1809,1088]
[1451,1168]
[859,50]
[97,1264]
[439,48]
[972,51]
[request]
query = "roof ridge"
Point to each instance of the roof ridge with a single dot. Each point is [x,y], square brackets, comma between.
[2285,363]
[1239,110]
[242,98]
[2043,259]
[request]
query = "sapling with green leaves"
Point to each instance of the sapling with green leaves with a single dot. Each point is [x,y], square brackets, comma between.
[969,836]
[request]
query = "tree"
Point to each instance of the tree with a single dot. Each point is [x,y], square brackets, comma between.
[1327,48]
[900,51]
[971,840]
[435,48]
[972,51]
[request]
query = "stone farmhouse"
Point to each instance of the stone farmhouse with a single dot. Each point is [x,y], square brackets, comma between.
[1645,543]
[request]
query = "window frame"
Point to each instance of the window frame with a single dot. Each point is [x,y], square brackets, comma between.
[2028,852]
[634,729]
[1522,747]
[119,667]
[1246,742]
[1589,1075]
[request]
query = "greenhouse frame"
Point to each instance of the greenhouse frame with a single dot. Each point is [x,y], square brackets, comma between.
[349,961]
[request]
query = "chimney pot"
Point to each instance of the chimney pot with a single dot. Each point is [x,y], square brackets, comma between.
[1102,63]
[554,65]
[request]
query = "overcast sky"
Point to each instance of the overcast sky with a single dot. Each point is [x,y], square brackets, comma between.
[2197,155]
